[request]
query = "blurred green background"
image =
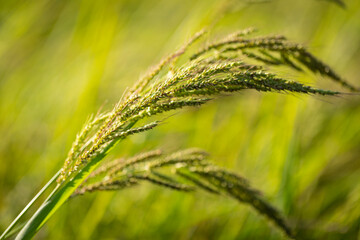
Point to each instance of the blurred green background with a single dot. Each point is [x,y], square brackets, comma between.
[60,61]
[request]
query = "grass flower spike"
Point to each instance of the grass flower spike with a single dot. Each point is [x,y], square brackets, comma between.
[235,63]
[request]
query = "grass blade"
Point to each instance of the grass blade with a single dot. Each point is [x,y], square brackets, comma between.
[28,206]
[51,205]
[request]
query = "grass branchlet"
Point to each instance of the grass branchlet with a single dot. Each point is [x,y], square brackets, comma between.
[186,170]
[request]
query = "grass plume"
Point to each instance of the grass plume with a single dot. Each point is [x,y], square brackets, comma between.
[223,67]
[219,68]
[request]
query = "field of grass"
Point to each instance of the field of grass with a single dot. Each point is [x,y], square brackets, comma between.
[62,61]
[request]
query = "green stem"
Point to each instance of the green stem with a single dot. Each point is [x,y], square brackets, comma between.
[16,220]
[53,203]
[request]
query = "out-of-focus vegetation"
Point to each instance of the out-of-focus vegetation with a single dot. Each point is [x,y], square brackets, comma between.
[61,61]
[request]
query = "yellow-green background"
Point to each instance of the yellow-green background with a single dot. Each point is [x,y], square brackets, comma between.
[62,60]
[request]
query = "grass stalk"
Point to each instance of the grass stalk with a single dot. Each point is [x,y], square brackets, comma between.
[7,232]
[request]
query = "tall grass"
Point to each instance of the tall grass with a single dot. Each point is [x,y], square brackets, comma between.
[237,62]
[60,61]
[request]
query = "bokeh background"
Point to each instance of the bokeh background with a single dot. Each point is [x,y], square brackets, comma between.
[60,61]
